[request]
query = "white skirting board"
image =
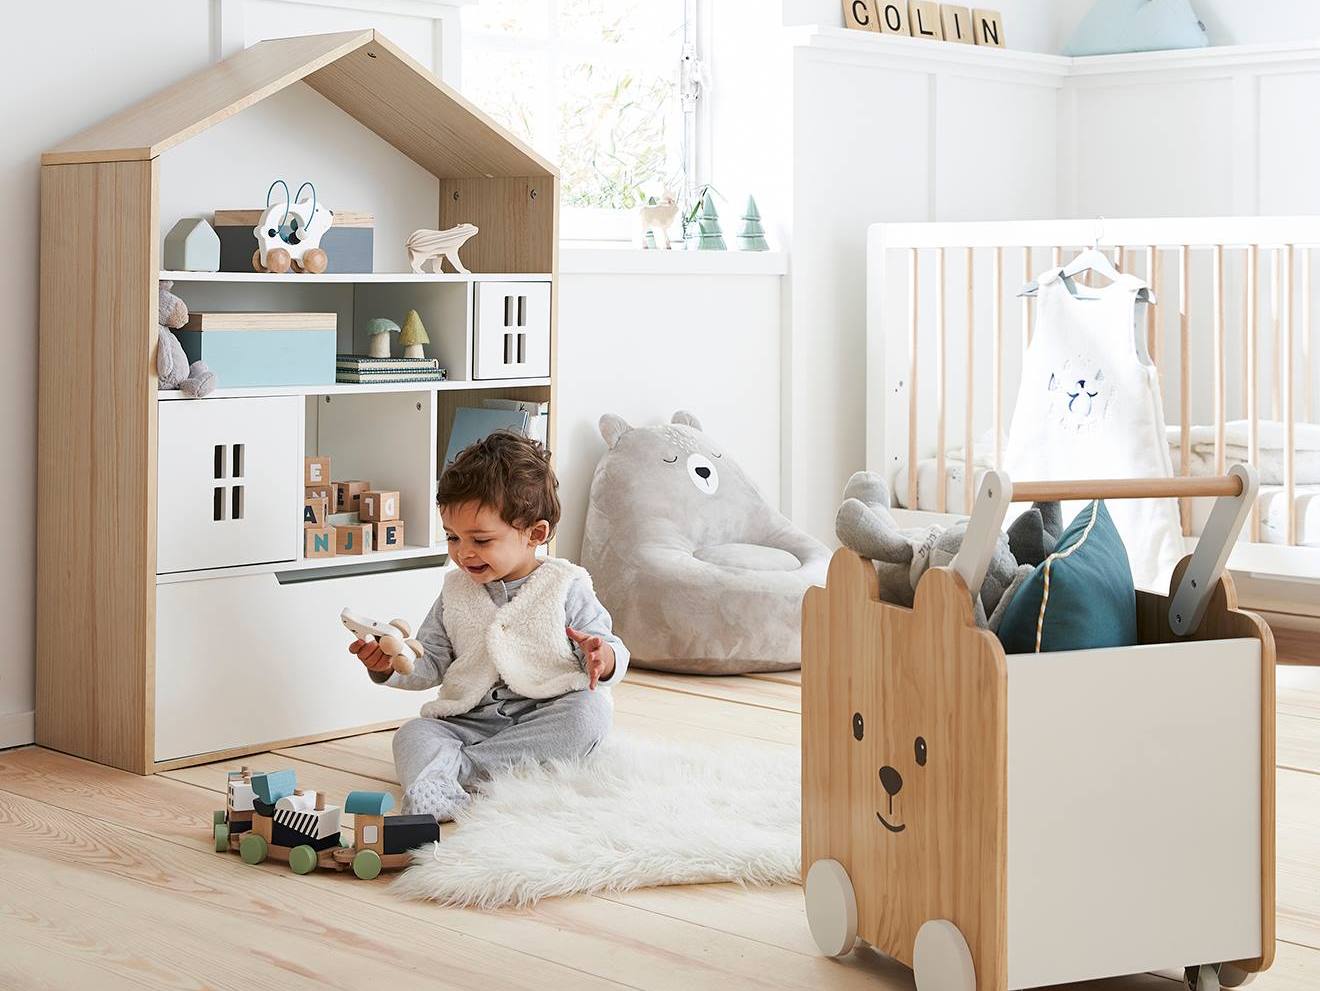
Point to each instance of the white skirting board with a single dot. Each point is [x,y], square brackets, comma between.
[17,729]
[1133,809]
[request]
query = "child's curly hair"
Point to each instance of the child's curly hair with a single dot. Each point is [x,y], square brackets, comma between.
[508,472]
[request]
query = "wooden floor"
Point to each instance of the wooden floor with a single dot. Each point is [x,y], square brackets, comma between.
[108,880]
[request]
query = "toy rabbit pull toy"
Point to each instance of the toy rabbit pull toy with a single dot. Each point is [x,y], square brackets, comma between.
[289,233]
[395,638]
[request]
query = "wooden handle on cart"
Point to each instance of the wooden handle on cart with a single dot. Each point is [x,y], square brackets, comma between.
[1235,493]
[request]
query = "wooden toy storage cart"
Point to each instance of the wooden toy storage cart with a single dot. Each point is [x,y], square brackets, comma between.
[1000,822]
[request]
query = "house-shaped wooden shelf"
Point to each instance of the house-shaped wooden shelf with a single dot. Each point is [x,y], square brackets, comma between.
[100,263]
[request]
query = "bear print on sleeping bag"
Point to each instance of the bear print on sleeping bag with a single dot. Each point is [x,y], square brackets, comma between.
[700,574]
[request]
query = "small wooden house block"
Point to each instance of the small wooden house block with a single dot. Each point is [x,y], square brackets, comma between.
[388,535]
[988,28]
[957,24]
[924,19]
[315,511]
[192,245]
[860,15]
[377,506]
[318,541]
[353,538]
[893,17]
[348,496]
[316,471]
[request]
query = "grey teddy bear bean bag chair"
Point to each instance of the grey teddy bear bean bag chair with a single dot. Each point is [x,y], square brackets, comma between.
[700,574]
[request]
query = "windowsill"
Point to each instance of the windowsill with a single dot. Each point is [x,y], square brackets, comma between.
[628,260]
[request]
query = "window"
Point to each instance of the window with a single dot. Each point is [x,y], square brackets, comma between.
[598,87]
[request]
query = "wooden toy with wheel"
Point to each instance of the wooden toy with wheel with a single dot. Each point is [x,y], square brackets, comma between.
[1136,829]
[289,234]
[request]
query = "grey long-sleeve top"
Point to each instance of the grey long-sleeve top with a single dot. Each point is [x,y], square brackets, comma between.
[582,610]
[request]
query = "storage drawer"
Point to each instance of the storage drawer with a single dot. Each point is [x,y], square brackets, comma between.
[230,482]
[511,330]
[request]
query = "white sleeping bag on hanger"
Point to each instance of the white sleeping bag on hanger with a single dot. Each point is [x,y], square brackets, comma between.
[1089,406]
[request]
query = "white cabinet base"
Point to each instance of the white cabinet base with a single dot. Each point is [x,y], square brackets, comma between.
[245,661]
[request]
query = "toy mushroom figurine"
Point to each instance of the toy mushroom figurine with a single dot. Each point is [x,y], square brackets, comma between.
[413,336]
[379,330]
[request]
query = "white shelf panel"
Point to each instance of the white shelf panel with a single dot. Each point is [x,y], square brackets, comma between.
[341,389]
[354,277]
[305,564]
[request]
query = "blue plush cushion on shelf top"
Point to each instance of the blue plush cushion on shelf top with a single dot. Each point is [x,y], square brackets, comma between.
[1092,600]
[1115,26]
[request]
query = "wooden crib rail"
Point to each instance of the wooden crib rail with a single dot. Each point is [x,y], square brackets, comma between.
[1235,492]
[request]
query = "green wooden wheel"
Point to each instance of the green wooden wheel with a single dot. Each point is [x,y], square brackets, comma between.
[366,864]
[302,859]
[217,817]
[221,837]
[253,849]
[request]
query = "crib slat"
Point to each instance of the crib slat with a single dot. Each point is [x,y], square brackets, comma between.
[1185,375]
[969,442]
[1152,279]
[1247,303]
[1026,300]
[1253,376]
[1276,318]
[1289,418]
[1307,370]
[1220,372]
[941,393]
[913,319]
[997,339]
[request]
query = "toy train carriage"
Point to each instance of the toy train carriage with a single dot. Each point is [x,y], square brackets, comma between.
[391,839]
[240,803]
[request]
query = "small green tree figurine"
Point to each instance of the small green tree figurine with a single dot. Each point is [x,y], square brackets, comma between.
[709,235]
[413,336]
[752,235]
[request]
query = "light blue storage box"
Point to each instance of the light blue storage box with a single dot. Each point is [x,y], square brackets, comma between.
[254,349]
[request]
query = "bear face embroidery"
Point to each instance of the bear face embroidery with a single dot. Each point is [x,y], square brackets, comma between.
[1079,394]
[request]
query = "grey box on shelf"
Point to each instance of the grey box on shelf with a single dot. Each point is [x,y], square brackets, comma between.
[349,243]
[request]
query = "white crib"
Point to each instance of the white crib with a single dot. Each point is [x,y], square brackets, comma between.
[1230,331]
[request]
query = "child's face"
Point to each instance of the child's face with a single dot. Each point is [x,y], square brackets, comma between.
[486,547]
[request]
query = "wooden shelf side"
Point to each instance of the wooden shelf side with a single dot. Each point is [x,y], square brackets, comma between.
[96,461]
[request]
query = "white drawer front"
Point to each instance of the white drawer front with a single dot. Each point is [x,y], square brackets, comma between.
[512,330]
[230,482]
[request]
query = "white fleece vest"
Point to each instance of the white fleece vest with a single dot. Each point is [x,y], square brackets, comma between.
[521,642]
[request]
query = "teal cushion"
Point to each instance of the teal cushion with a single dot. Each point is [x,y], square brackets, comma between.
[1114,26]
[1091,600]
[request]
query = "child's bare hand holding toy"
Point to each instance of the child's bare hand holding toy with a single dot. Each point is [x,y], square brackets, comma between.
[599,655]
[372,657]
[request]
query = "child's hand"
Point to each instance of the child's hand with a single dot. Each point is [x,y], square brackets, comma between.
[599,655]
[372,657]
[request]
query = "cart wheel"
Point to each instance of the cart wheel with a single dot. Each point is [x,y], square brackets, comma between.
[941,960]
[1234,977]
[256,261]
[1204,977]
[831,908]
[253,849]
[315,260]
[302,859]
[277,260]
[366,864]
[217,817]
[221,832]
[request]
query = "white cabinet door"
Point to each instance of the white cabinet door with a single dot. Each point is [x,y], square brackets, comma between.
[512,330]
[229,488]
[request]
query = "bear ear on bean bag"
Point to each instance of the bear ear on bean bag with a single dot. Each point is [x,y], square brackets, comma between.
[700,574]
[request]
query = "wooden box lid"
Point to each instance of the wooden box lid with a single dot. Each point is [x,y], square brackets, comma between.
[261,321]
[249,218]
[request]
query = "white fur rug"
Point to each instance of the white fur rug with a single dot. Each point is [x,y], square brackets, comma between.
[634,814]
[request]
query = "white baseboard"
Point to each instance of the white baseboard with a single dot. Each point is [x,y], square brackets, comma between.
[17,729]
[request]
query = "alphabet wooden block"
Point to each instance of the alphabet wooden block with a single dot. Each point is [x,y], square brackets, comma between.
[348,495]
[988,28]
[893,16]
[353,538]
[377,506]
[319,542]
[319,492]
[315,511]
[860,15]
[316,471]
[924,19]
[957,24]
[388,535]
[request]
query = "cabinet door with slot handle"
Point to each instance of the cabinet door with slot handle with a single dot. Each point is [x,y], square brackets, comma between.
[229,488]
[512,332]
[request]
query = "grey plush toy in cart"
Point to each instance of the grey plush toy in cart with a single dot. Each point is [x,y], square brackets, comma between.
[901,556]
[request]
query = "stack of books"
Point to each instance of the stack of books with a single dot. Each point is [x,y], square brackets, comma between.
[356,369]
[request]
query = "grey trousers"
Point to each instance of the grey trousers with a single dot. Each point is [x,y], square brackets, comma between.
[437,759]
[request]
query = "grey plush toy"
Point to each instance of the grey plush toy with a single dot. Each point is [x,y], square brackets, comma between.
[901,556]
[172,368]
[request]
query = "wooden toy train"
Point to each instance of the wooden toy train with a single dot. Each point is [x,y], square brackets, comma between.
[266,816]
